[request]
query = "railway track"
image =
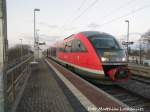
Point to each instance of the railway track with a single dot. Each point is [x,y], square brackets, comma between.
[126,96]
[142,79]
[129,98]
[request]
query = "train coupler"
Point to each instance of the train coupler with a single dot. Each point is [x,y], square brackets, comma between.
[119,73]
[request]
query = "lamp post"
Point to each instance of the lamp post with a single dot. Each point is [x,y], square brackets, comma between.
[140,52]
[127,39]
[21,48]
[35,10]
[37,42]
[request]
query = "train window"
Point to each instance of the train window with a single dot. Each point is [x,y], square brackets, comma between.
[68,46]
[81,46]
[77,46]
[53,51]
[61,48]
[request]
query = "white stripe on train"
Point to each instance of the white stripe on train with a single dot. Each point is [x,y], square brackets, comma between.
[79,67]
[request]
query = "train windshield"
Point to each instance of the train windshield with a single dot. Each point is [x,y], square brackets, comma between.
[107,46]
[105,42]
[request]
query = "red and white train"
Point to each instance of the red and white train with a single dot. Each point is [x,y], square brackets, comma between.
[92,54]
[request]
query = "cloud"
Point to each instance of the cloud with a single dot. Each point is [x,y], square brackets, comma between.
[49,37]
[28,39]
[47,25]
[69,28]
[93,25]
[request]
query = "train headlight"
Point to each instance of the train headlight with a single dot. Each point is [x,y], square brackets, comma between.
[104,59]
[124,59]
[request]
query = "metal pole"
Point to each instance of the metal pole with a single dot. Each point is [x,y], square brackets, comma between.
[34,37]
[3,53]
[38,45]
[127,39]
[21,49]
[35,45]
[140,53]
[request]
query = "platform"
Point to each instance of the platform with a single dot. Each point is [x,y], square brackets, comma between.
[53,88]
[45,92]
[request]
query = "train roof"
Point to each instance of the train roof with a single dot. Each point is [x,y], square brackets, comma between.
[89,34]
[68,37]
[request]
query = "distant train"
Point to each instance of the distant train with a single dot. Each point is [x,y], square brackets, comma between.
[94,55]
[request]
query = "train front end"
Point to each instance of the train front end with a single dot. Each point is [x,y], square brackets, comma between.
[112,57]
[115,65]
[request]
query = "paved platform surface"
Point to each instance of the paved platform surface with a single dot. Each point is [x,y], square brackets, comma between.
[45,92]
[96,96]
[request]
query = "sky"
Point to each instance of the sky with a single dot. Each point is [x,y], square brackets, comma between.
[58,19]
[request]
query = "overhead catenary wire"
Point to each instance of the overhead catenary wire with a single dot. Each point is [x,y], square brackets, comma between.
[84,11]
[119,8]
[78,9]
[87,9]
[130,13]
[94,2]
[114,19]
[82,4]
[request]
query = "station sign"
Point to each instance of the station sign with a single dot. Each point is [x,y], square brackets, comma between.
[127,43]
[42,43]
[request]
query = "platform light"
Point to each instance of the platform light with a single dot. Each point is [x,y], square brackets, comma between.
[36,9]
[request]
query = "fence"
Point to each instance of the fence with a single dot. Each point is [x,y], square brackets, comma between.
[140,70]
[16,77]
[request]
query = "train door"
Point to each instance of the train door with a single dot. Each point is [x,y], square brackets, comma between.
[79,53]
[68,54]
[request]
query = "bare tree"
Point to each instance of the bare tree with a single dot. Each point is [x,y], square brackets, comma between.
[14,53]
[146,40]
[146,37]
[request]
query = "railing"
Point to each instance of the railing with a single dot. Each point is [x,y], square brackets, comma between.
[14,62]
[140,70]
[16,76]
